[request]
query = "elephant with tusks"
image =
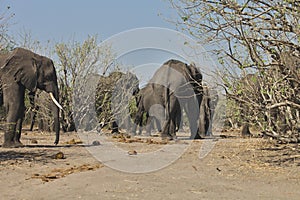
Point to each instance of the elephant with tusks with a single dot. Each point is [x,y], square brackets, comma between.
[23,69]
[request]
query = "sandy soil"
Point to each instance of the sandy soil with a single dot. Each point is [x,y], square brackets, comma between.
[235,168]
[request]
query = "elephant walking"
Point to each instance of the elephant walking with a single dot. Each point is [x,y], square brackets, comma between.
[179,86]
[207,110]
[151,101]
[19,70]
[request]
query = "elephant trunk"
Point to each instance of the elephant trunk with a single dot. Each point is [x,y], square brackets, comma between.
[55,107]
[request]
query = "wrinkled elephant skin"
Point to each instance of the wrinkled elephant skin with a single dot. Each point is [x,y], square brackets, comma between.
[19,70]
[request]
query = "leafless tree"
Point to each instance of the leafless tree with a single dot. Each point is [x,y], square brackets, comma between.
[6,42]
[253,37]
[77,62]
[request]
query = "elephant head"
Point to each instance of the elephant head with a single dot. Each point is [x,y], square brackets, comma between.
[19,70]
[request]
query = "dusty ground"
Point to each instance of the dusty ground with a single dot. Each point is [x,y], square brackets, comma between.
[235,168]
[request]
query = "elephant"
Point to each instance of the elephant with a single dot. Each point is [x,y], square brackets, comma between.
[207,107]
[113,99]
[151,102]
[23,69]
[179,84]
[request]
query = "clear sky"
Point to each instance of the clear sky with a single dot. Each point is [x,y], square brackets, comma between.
[66,20]
[61,20]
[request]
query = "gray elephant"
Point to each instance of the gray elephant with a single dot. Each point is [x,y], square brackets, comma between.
[207,109]
[19,70]
[113,99]
[150,105]
[179,84]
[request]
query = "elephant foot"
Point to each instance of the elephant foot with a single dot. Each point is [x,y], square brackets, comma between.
[209,135]
[8,145]
[133,134]
[196,137]
[167,136]
[148,134]
[18,144]
[12,144]
[115,131]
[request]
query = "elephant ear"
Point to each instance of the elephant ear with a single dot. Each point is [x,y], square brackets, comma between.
[21,67]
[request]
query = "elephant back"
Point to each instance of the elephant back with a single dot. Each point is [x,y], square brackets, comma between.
[20,65]
[183,79]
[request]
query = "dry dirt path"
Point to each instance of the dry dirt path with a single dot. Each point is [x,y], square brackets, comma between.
[236,168]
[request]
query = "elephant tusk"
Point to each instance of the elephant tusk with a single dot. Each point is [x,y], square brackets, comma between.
[54,100]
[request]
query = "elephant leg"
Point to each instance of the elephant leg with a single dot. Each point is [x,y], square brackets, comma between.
[179,123]
[114,127]
[175,115]
[202,120]
[15,112]
[192,111]
[134,126]
[169,126]
[174,118]
[18,132]
[176,112]
[166,129]
[158,118]
[33,109]
[9,134]
[158,124]
[172,129]
[141,120]
[140,129]
[168,106]
[19,125]
[138,121]
[208,125]
[149,125]
[133,130]
[33,117]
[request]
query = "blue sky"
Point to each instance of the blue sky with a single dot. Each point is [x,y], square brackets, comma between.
[67,20]
[60,20]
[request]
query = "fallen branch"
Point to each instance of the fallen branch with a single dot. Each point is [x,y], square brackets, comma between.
[285,103]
